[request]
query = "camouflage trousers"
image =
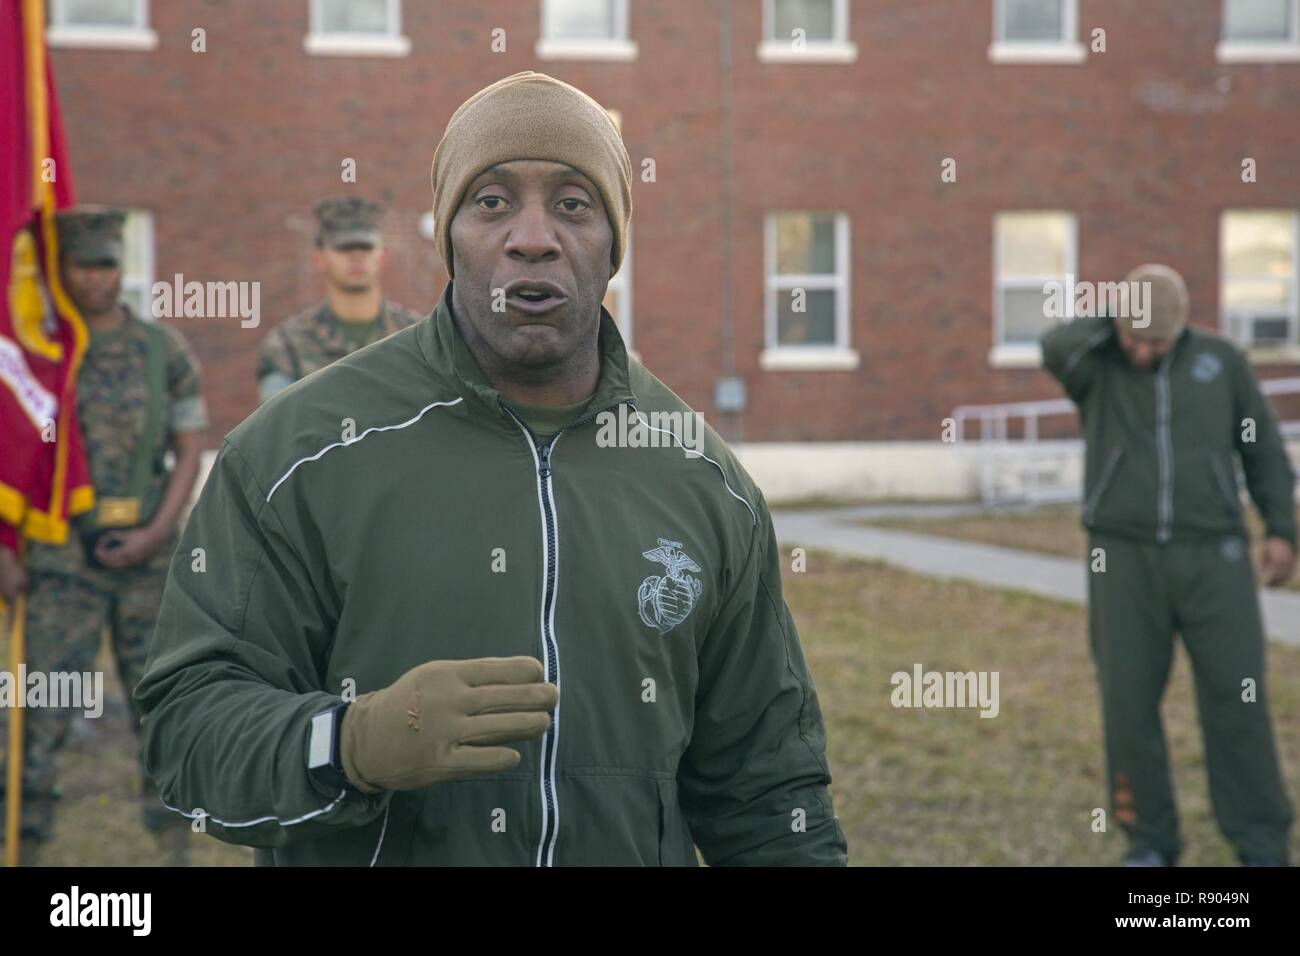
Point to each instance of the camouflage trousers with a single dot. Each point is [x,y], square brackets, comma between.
[69,606]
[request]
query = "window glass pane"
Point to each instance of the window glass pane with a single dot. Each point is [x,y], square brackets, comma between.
[579,19]
[1258,20]
[815,325]
[815,17]
[618,297]
[354,16]
[1023,318]
[805,243]
[136,296]
[1259,243]
[111,13]
[137,282]
[1256,295]
[1041,21]
[135,244]
[1034,243]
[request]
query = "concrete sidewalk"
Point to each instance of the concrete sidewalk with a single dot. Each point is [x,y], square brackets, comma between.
[1041,574]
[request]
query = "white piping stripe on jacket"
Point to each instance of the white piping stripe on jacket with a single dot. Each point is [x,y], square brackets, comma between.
[252,823]
[1077,355]
[382,831]
[692,451]
[353,441]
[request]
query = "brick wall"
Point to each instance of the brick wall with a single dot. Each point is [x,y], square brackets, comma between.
[230,148]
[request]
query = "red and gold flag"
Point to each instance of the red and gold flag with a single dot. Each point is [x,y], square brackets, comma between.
[44,478]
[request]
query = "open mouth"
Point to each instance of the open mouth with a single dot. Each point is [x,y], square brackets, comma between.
[534,298]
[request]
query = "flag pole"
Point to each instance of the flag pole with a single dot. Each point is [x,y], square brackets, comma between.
[33,20]
[14,754]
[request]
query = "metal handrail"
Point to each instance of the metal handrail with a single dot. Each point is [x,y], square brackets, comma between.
[993,421]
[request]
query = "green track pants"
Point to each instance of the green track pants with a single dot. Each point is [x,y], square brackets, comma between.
[1206,593]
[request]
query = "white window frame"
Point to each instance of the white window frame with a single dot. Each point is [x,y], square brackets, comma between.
[838,356]
[1289,351]
[1065,51]
[1027,354]
[839,49]
[138,36]
[141,282]
[617,48]
[1245,51]
[320,42]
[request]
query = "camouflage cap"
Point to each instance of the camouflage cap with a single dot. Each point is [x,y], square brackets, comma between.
[348,221]
[91,235]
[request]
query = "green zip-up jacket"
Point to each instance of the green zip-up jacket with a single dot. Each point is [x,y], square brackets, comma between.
[390,510]
[1163,444]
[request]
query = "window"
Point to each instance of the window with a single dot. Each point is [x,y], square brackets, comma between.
[1036,31]
[806,31]
[356,28]
[618,294]
[137,262]
[585,30]
[1032,251]
[807,292]
[113,24]
[1259,31]
[1258,253]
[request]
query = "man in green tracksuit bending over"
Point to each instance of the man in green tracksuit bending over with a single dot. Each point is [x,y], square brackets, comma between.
[482,593]
[1167,411]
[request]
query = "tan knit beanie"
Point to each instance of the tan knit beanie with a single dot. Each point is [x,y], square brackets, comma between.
[1166,300]
[531,116]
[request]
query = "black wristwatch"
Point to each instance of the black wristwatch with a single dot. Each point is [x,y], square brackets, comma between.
[324,762]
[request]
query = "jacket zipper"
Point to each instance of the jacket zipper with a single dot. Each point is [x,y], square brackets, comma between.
[1164,454]
[550,522]
[550,807]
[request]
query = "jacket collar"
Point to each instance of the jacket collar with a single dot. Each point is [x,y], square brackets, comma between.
[1182,342]
[445,351]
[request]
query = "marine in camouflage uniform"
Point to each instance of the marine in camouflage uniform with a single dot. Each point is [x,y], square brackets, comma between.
[70,601]
[312,339]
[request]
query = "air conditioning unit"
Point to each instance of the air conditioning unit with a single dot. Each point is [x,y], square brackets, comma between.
[1261,329]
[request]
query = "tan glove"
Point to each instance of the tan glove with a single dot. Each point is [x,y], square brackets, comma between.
[443,720]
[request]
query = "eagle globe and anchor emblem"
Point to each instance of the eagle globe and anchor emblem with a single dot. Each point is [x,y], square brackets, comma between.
[665,600]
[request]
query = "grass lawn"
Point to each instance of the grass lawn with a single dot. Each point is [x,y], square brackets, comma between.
[1051,530]
[947,787]
[923,787]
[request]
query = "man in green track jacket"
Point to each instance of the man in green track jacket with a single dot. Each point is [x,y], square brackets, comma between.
[478,594]
[1167,411]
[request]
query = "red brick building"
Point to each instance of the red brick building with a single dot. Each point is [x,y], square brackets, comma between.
[782,161]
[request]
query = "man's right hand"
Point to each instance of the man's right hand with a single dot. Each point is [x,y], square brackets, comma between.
[13,576]
[1278,562]
[444,720]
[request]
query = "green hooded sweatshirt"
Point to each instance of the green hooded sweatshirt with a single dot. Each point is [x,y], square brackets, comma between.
[1163,444]
[390,510]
